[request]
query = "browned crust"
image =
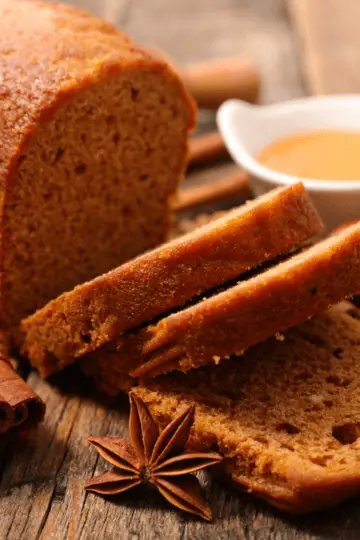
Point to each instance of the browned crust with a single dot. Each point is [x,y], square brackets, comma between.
[256,309]
[50,53]
[306,493]
[169,276]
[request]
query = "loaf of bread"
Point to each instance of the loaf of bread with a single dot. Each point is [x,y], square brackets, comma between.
[98,311]
[287,418]
[93,135]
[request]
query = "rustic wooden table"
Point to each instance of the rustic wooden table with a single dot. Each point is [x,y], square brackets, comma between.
[300,46]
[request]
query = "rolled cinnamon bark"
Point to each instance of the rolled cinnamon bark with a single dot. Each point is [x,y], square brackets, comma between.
[215,192]
[213,82]
[6,416]
[7,413]
[19,405]
[205,149]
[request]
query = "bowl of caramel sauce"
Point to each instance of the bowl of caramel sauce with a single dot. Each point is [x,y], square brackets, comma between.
[315,140]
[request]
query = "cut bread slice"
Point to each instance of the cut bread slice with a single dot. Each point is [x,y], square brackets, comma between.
[234,320]
[287,418]
[251,311]
[154,283]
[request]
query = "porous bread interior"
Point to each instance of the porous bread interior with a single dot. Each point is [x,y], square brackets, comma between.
[289,409]
[91,189]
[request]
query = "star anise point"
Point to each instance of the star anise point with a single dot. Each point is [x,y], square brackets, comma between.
[154,457]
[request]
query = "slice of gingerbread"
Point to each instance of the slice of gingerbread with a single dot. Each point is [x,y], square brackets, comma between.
[286,418]
[254,310]
[237,318]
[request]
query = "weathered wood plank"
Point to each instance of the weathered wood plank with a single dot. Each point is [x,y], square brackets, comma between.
[329,41]
[29,480]
[68,509]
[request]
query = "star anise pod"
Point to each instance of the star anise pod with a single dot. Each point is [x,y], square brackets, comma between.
[156,458]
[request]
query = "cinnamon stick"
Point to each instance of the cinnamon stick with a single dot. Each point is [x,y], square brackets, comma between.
[7,413]
[206,149]
[19,405]
[221,190]
[213,82]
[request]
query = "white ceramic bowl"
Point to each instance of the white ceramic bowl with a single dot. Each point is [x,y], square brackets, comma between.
[247,129]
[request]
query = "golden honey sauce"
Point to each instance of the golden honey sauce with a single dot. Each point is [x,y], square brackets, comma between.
[322,155]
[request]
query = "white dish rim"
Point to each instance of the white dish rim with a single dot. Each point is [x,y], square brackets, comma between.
[252,166]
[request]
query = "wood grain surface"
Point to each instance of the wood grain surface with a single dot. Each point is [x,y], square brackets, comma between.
[42,473]
[329,42]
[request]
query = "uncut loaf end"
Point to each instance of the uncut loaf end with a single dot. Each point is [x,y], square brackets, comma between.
[93,144]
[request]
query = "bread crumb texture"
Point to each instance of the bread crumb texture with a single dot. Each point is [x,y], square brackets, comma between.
[286,417]
[93,144]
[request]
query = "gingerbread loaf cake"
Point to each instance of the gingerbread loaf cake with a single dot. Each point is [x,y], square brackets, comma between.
[237,318]
[94,134]
[152,284]
[286,419]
